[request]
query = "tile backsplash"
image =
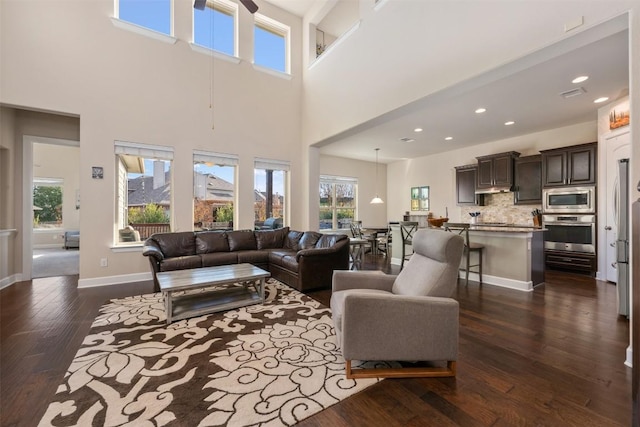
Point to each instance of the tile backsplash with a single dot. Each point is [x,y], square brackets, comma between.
[499,207]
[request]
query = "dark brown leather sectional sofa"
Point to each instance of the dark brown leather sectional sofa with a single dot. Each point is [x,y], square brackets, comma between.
[303,260]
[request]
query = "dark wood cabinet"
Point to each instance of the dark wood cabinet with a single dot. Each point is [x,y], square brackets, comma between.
[575,165]
[585,263]
[466,186]
[496,171]
[528,180]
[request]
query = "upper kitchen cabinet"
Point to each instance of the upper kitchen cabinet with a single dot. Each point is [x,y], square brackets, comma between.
[495,172]
[528,180]
[466,186]
[575,165]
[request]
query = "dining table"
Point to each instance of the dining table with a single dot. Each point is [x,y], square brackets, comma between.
[371,234]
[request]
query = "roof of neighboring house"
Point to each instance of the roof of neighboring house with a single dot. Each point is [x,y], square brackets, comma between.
[141,191]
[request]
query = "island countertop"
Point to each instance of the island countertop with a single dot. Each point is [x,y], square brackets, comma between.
[497,227]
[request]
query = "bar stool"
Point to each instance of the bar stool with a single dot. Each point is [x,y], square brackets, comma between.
[468,248]
[407,230]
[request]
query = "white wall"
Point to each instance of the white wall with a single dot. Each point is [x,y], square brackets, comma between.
[365,173]
[438,171]
[68,57]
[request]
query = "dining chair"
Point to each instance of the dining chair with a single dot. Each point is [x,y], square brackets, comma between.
[469,247]
[407,230]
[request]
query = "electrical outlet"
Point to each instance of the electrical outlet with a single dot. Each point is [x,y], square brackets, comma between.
[103,262]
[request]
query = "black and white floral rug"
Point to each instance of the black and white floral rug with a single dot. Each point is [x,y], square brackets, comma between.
[268,364]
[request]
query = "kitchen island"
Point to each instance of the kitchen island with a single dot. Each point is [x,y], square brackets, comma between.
[513,254]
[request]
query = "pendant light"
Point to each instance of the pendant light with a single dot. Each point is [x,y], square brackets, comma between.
[376,200]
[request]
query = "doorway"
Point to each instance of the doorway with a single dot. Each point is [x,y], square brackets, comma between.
[52,206]
[617,147]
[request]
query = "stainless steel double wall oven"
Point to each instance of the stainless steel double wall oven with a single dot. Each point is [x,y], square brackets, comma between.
[570,220]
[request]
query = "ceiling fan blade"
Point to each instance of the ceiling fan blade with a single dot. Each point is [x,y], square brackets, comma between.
[199,4]
[250,5]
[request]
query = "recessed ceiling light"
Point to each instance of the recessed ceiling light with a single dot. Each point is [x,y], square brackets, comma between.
[449,138]
[417,130]
[601,99]
[480,110]
[509,123]
[579,79]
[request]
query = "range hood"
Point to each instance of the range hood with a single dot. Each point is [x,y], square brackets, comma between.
[494,190]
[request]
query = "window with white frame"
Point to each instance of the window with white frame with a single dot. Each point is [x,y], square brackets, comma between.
[271,44]
[152,14]
[143,190]
[215,27]
[338,197]
[270,192]
[47,203]
[214,190]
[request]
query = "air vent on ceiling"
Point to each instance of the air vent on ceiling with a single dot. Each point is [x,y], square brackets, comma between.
[405,139]
[573,92]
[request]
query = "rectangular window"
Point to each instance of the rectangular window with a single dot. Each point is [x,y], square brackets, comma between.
[215,26]
[337,202]
[271,180]
[271,44]
[214,190]
[143,190]
[152,14]
[47,203]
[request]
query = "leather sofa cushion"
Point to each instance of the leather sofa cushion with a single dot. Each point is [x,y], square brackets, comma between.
[328,240]
[211,241]
[309,240]
[253,256]
[289,262]
[270,239]
[276,256]
[176,244]
[219,258]
[242,240]
[181,263]
[292,240]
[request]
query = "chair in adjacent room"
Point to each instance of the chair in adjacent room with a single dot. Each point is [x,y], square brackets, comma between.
[405,318]
[469,248]
[407,230]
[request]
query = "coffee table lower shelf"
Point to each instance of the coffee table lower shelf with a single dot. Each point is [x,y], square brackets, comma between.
[197,304]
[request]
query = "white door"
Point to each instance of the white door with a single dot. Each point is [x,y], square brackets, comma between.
[618,147]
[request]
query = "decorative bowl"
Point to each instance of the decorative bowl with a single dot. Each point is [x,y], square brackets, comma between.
[437,222]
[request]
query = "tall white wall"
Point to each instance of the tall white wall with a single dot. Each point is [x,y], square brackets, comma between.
[68,57]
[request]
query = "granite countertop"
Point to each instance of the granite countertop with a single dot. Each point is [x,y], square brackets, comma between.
[499,227]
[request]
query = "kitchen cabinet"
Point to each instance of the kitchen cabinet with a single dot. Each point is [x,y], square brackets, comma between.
[466,186]
[585,263]
[528,180]
[575,165]
[495,172]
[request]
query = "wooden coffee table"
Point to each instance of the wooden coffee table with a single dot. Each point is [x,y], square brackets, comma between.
[232,286]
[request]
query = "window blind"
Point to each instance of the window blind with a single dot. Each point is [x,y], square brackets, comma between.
[326,179]
[219,159]
[269,164]
[144,150]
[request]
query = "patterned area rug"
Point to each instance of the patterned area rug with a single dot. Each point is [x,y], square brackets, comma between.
[273,364]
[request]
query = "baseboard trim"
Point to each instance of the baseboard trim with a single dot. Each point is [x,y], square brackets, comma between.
[503,282]
[629,361]
[10,280]
[114,280]
[49,246]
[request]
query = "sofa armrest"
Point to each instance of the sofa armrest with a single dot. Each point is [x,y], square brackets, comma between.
[315,252]
[150,249]
[345,279]
[376,327]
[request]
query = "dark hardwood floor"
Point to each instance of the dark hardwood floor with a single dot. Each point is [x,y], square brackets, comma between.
[551,357]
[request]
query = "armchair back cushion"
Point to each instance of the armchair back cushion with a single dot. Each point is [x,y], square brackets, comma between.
[242,240]
[433,268]
[211,241]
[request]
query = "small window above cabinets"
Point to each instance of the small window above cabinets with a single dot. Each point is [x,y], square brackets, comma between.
[495,172]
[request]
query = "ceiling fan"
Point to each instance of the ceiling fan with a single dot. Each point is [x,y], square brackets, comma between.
[249,4]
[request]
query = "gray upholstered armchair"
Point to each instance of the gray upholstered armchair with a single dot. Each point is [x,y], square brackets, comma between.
[408,317]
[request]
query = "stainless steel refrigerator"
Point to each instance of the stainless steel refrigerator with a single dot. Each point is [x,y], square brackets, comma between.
[622,240]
